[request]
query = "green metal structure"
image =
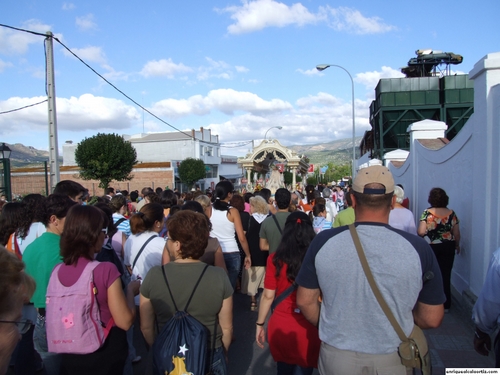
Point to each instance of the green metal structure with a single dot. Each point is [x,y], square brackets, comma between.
[402,101]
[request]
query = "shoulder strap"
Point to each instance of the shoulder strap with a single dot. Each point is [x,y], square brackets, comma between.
[373,284]
[283,295]
[192,293]
[142,249]
[277,224]
[119,221]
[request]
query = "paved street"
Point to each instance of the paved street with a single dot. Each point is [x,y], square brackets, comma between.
[450,344]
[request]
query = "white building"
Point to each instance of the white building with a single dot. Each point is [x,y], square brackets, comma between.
[171,147]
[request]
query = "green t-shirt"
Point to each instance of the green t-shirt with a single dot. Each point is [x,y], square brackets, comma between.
[270,231]
[344,217]
[182,277]
[40,257]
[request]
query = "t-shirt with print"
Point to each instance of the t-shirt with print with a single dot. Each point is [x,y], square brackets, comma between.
[182,277]
[124,225]
[439,228]
[270,232]
[349,311]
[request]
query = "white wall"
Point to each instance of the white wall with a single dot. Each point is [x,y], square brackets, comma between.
[468,169]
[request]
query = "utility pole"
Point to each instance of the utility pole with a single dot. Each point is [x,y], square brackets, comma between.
[51,100]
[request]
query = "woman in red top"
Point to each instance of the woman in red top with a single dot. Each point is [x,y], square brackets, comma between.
[293,341]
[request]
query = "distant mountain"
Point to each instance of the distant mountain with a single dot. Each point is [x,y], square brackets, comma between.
[26,156]
[338,152]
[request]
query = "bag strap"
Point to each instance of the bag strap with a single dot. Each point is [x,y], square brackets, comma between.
[283,295]
[192,293]
[277,224]
[119,221]
[373,284]
[142,249]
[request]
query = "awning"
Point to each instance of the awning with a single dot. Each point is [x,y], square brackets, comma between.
[231,176]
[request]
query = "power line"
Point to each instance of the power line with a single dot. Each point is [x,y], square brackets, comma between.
[26,106]
[243,144]
[120,91]
[99,75]
[24,30]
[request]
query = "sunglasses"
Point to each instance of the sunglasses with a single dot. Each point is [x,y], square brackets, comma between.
[23,325]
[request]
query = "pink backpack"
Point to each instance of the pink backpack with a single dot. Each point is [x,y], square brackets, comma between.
[73,320]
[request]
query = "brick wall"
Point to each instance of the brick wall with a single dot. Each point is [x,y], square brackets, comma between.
[32,180]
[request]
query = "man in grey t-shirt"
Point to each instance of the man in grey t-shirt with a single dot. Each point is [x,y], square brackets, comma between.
[272,226]
[356,335]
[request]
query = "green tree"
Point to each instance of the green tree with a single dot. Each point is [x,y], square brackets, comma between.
[105,157]
[191,170]
[288,178]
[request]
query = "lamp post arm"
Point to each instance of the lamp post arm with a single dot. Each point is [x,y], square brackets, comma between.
[323,67]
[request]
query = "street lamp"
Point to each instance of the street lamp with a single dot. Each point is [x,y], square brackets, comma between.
[322,67]
[274,127]
[5,157]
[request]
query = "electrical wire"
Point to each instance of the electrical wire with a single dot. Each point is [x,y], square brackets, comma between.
[98,74]
[242,145]
[120,91]
[26,106]
[24,30]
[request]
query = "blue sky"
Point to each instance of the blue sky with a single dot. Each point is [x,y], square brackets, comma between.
[236,67]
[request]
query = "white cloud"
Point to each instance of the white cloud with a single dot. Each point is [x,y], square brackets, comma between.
[87,112]
[256,15]
[164,68]
[316,119]
[86,22]
[309,72]
[4,65]
[14,42]
[241,69]
[351,20]
[68,6]
[91,54]
[370,79]
[226,101]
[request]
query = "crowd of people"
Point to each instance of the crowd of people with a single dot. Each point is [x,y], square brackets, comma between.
[291,253]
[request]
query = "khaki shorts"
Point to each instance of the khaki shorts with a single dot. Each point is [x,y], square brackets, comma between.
[333,361]
[252,279]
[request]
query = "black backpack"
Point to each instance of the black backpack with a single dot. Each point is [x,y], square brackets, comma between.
[108,254]
[182,343]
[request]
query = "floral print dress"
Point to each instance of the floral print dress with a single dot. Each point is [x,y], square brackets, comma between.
[439,228]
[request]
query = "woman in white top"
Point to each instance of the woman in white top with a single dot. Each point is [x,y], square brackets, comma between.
[34,207]
[226,221]
[145,226]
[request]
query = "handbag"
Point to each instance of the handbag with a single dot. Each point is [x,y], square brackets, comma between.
[413,350]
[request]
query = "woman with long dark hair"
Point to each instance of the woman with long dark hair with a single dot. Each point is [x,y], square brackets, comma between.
[439,226]
[293,341]
[32,227]
[226,221]
[84,232]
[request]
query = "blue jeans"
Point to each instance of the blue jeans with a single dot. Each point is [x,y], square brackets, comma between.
[51,361]
[288,369]
[219,366]
[233,264]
